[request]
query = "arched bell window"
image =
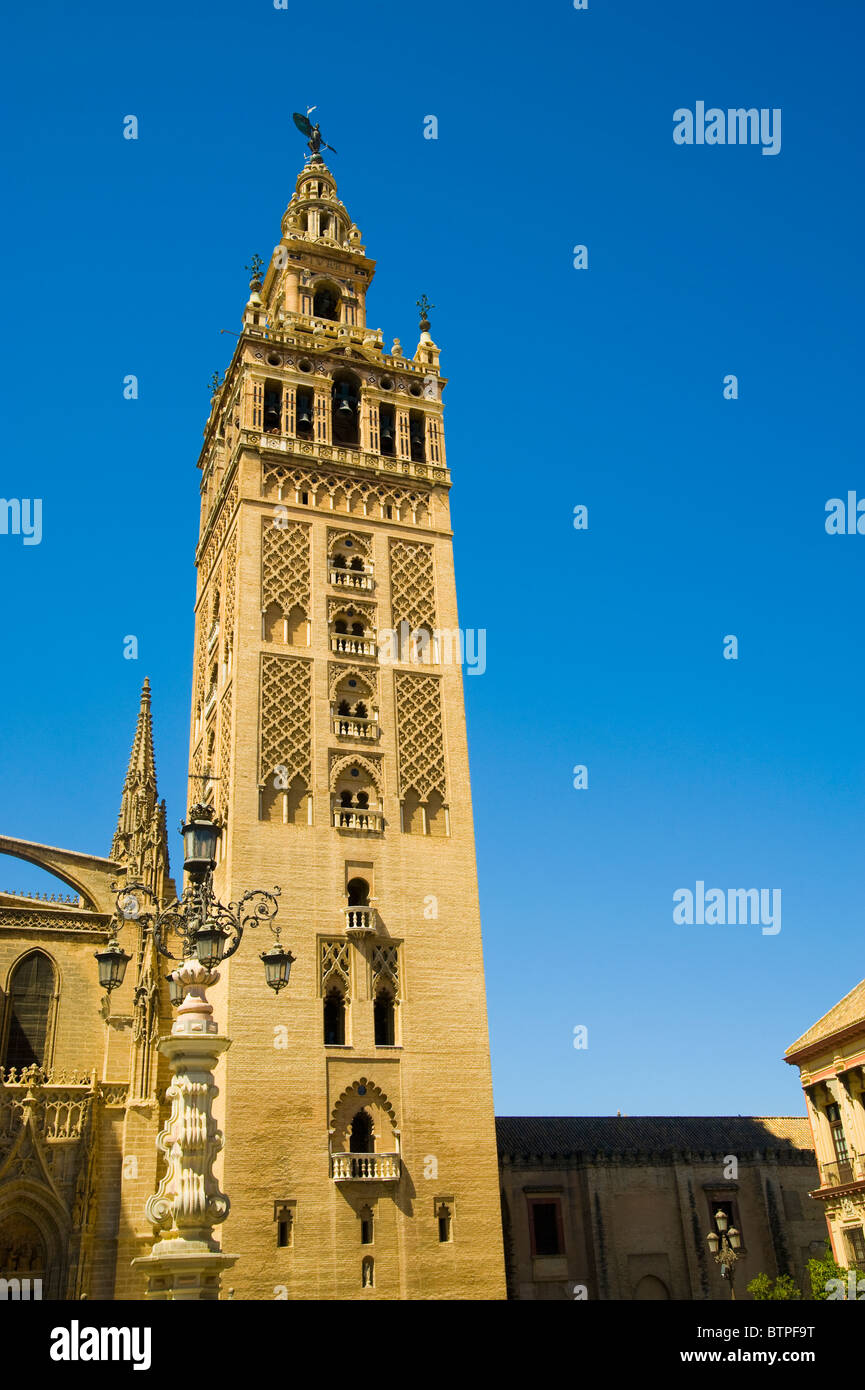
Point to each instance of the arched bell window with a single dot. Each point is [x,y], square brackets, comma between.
[325,304]
[387,429]
[29,1023]
[345,398]
[416,435]
[305,403]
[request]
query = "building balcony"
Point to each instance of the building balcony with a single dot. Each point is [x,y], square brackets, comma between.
[353,646]
[210,700]
[360,921]
[212,636]
[358,818]
[365,1167]
[348,726]
[843,1172]
[351,579]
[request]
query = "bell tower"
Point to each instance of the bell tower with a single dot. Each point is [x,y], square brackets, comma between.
[328,731]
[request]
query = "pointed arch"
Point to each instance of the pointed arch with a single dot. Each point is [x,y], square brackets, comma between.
[30,1014]
[372,770]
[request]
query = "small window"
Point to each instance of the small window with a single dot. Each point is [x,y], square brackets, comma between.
[366,1230]
[334,1019]
[283,1215]
[546,1228]
[383,1019]
[444,1224]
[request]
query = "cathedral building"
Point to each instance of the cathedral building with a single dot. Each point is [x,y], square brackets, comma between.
[328,735]
[831,1061]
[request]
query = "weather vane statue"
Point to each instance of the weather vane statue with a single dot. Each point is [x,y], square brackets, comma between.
[312,133]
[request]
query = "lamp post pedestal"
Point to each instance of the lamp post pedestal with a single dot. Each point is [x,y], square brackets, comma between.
[186,1261]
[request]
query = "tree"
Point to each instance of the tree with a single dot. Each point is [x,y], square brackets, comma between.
[822,1270]
[783,1287]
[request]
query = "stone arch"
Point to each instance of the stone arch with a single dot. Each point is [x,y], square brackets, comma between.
[356,760]
[364,1095]
[651,1287]
[357,538]
[355,673]
[88,875]
[25,1201]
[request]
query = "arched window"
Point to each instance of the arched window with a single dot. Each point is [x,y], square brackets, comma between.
[416,435]
[387,429]
[325,304]
[358,892]
[361,1133]
[305,400]
[30,1012]
[334,1019]
[383,1018]
[345,398]
[272,407]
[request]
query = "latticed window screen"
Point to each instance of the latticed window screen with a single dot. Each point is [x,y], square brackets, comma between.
[31,997]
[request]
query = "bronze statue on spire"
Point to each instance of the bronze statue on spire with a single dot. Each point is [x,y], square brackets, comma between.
[312,132]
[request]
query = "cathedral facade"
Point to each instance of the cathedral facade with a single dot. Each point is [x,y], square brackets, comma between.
[328,735]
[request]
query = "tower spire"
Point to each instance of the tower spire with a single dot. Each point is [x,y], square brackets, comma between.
[140,840]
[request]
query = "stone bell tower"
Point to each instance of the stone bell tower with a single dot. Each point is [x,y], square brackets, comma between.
[328,731]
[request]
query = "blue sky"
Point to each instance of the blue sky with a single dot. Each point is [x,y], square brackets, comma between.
[600,387]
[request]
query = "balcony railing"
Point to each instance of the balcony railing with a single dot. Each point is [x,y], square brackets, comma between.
[356,818]
[843,1171]
[353,646]
[360,920]
[351,579]
[365,1167]
[347,726]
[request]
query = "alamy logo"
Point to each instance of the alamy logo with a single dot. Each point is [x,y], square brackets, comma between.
[21,517]
[443,646]
[20,1290]
[734,906]
[76,1343]
[740,126]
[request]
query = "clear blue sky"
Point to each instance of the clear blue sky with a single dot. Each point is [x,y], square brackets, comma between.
[601,387]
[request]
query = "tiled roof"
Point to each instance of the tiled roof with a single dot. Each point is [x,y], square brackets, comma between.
[849,1010]
[614,1134]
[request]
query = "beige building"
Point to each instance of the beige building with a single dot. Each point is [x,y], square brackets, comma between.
[328,732]
[831,1062]
[618,1207]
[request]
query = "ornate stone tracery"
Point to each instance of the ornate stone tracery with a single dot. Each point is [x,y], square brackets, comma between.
[412,585]
[285,565]
[285,716]
[420,738]
[335,967]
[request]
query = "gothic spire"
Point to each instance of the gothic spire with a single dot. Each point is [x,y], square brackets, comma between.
[140,840]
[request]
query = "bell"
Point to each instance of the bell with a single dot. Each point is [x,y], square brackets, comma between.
[387,433]
[344,406]
[304,418]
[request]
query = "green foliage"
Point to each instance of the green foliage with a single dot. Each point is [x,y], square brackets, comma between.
[822,1270]
[782,1288]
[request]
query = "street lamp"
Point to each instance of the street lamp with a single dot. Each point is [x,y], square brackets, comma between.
[186,1262]
[726,1246]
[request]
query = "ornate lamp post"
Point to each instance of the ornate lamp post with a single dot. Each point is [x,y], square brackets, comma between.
[726,1247]
[186,1261]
